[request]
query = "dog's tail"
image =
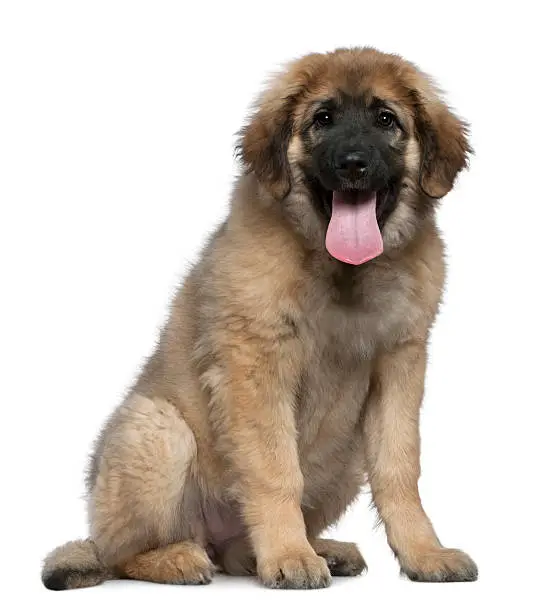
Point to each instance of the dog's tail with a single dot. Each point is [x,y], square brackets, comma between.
[74,565]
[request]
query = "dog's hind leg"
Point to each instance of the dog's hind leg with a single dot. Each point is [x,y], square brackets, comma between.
[342,558]
[141,495]
[143,502]
[183,563]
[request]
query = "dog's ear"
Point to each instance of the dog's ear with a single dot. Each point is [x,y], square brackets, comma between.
[443,139]
[264,141]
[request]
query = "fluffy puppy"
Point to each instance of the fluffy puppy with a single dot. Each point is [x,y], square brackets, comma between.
[291,368]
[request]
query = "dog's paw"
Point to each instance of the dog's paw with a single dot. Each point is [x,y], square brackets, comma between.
[296,570]
[342,558]
[238,558]
[440,565]
[181,563]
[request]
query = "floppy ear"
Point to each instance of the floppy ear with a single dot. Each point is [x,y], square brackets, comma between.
[444,147]
[263,145]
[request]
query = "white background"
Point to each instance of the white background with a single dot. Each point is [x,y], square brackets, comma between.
[117,123]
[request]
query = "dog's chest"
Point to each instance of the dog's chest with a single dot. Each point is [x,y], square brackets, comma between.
[343,329]
[352,313]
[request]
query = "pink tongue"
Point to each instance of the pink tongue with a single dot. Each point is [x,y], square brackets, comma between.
[353,234]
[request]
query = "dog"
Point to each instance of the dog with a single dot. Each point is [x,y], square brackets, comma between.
[291,369]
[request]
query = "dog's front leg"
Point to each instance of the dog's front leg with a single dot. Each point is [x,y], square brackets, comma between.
[391,431]
[254,409]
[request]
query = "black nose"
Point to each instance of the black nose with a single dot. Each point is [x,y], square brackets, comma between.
[352,165]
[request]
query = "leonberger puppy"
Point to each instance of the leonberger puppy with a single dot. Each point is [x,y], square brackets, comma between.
[291,369]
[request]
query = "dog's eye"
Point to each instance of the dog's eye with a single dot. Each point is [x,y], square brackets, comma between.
[323,118]
[386,118]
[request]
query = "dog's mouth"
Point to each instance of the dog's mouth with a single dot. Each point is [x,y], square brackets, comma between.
[353,235]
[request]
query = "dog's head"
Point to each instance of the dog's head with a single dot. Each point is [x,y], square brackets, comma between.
[357,144]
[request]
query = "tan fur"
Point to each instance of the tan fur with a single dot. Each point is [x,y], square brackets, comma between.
[75,565]
[149,437]
[183,563]
[343,558]
[284,379]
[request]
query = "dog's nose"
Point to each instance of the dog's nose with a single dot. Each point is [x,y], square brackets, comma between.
[353,164]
